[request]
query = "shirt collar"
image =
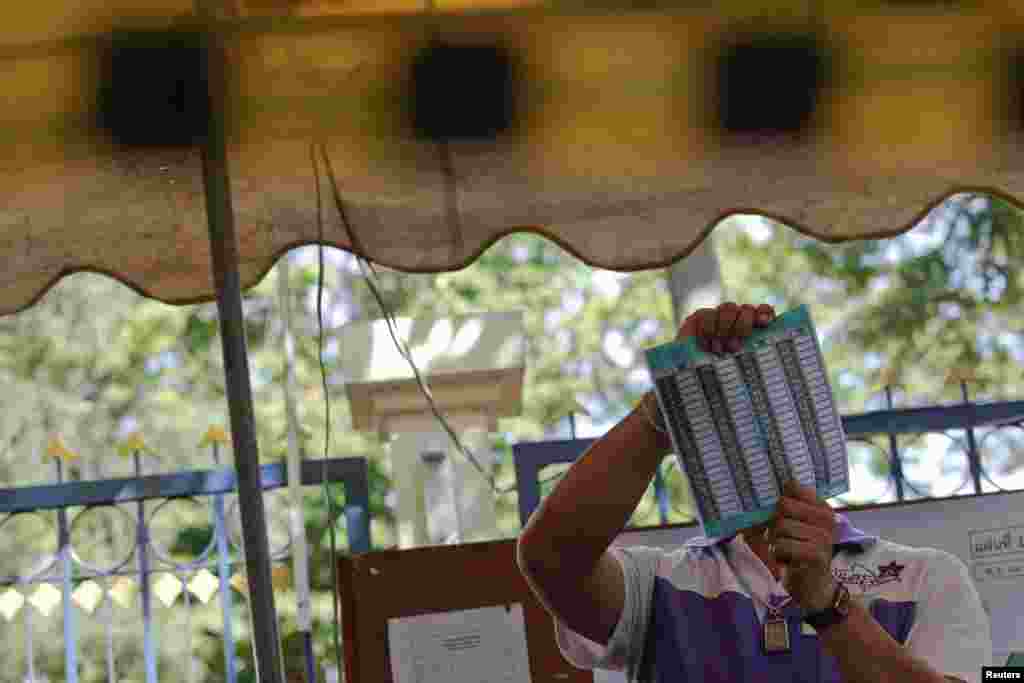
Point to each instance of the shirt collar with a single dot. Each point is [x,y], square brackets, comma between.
[847,537]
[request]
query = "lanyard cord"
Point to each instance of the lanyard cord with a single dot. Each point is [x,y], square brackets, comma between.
[771,611]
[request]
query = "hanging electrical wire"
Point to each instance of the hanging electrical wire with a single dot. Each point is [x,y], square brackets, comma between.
[370,277]
[325,489]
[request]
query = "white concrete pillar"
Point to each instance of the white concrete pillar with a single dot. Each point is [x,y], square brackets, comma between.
[441,497]
[475,369]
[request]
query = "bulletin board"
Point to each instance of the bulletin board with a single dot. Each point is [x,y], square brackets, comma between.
[378,586]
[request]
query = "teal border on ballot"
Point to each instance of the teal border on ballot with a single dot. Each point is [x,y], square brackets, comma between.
[730,526]
[683,354]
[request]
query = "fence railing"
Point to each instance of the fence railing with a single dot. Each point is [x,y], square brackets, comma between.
[69,579]
[978,421]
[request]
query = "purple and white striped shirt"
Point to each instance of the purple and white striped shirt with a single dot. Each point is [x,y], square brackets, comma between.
[689,618]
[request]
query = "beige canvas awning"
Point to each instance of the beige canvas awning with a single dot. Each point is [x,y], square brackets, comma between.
[611,153]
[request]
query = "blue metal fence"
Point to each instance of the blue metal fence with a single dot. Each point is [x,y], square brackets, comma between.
[64,576]
[78,580]
[531,458]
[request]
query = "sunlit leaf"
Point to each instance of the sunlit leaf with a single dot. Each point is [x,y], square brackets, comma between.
[199,333]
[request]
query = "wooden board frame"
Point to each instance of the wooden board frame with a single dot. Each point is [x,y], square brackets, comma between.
[378,586]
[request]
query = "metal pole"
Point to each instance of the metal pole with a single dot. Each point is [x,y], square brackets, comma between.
[149,652]
[224,251]
[894,452]
[300,553]
[66,570]
[224,575]
[30,657]
[972,445]
[357,511]
[108,624]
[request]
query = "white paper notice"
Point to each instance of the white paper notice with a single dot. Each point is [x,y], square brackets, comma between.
[487,644]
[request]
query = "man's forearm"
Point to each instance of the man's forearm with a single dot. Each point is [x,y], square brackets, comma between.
[593,502]
[866,653]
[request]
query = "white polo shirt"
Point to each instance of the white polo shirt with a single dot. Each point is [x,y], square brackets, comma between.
[689,618]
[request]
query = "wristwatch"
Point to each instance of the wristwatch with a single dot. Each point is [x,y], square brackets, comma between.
[834,614]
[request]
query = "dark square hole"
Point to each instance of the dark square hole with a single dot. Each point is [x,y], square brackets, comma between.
[770,84]
[462,92]
[153,90]
[1014,95]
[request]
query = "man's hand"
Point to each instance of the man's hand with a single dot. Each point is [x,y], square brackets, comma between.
[801,535]
[723,329]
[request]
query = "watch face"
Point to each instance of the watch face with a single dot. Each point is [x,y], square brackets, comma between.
[833,614]
[843,601]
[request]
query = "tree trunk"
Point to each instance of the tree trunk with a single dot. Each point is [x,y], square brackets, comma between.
[695,281]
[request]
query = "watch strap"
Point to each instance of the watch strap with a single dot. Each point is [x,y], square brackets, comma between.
[834,613]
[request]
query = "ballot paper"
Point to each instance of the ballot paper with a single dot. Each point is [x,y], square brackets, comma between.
[485,645]
[744,423]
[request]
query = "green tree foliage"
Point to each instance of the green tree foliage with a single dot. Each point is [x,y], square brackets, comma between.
[944,296]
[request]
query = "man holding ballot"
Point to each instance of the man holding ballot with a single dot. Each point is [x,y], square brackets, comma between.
[803,597]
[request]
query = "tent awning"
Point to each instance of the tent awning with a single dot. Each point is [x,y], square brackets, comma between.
[613,149]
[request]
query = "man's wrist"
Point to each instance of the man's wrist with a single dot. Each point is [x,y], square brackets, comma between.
[825,599]
[652,411]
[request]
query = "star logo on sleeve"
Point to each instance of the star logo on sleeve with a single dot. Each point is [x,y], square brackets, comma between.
[890,571]
[859,575]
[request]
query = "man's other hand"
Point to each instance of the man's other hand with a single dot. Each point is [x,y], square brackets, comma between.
[723,329]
